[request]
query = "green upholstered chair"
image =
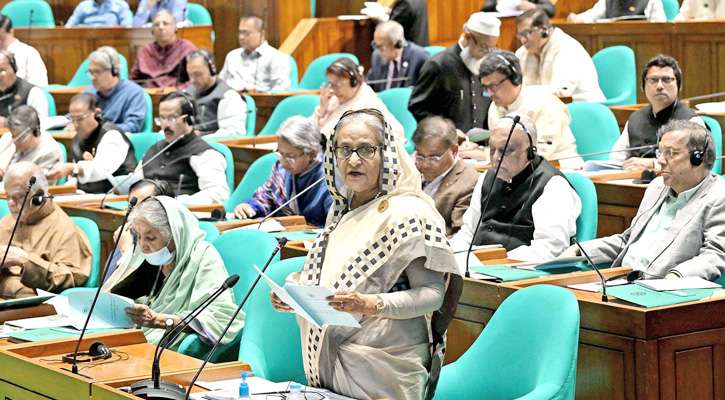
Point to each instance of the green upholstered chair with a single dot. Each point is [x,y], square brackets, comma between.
[672,8]
[315,74]
[716,130]
[617,74]
[142,141]
[303,104]
[212,232]
[586,224]
[51,100]
[433,50]
[20,13]
[251,123]
[256,175]
[271,343]
[94,237]
[396,100]
[63,159]
[4,210]
[294,73]
[148,122]
[594,127]
[527,351]
[199,15]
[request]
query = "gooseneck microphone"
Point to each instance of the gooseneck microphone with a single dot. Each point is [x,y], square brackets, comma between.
[281,243]
[604,281]
[295,197]
[74,367]
[649,146]
[31,182]
[155,388]
[488,195]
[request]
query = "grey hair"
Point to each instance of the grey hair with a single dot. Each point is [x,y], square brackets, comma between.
[107,56]
[152,211]
[24,117]
[394,30]
[436,127]
[524,120]
[698,138]
[26,169]
[301,133]
[372,122]
[164,11]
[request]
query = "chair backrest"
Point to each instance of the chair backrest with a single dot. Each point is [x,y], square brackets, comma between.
[586,224]
[198,14]
[315,74]
[271,342]
[433,50]
[256,175]
[212,232]
[617,74]
[251,124]
[396,100]
[240,249]
[51,100]
[716,130]
[142,141]
[594,127]
[63,159]
[222,148]
[672,8]
[302,104]
[20,13]
[81,78]
[94,237]
[4,209]
[294,73]
[148,122]
[530,343]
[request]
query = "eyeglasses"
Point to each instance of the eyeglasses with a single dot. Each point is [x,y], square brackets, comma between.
[338,84]
[383,47]
[365,152]
[95,73]
[494,86]
[475,42]
[527,33]
[291,158]
[246,33]
[79,118]
[666,153]
[170,121]
[160,23]
[510,150]
[430,159]
[666,80]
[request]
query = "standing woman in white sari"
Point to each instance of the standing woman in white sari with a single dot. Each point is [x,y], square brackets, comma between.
[385,256]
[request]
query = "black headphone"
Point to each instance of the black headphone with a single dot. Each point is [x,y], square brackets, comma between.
[113,70]
[11,60]
[189,119]
[545,32]
[209,63]
[698,156]
[514,76]
[353,76]
[96,351]
[531,151]
[39,199]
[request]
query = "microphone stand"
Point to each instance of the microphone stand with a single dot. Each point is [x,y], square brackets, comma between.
[31,182]
[282,242]
[604,281]
[74,368]
[295,197]
[649,146]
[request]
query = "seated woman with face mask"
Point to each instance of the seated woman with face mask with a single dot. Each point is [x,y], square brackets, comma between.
[170,271]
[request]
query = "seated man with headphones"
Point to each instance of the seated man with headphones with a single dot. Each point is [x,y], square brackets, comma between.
[679,229]
[100,150]
[396,62]
[49,251]
[661,84]
[188,163]
[555,60]
[15,91]
[161,63]
[501,78]
[26,142]
[221,110]
[531,209]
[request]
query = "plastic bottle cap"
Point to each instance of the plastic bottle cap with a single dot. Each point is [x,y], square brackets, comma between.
[296,386]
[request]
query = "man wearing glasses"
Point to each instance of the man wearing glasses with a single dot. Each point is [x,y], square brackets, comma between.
[446,178]
[661,83]
[551,58]
[679,229]
[449,86]
[194,169]
[395,62]
[502,80]
[15,91]
[100,150]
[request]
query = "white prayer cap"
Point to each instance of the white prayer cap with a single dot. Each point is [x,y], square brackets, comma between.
[484,23]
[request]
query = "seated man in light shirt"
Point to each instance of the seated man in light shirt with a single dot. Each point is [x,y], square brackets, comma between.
[147,9]
[679,229]
[255,65]
[101,13]
[652,10]
[700,10]
[532,209]
[30,65]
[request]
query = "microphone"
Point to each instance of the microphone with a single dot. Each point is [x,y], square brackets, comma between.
[289,201]
[181,53]
[217,214]
[139,167]
[178,186]
[399,79]
[281,243]
[631,276]
[74,360]
[31,182]
[649,146]
[211,121]
[155,388]
[517,118]
[604,282]
[706,96]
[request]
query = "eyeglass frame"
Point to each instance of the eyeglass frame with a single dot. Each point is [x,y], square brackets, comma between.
[666,80]
[355,151]
[475,42]
[429,159]
[667,154]
[80,118]
[494,87]
[527,33]
[289,159]
[95,74]
[159,120]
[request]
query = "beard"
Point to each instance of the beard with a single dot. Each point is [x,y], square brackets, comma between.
[472,63]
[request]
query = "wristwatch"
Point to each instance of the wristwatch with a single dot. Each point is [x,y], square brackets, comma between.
[379,304]
[75,170]
[169,322]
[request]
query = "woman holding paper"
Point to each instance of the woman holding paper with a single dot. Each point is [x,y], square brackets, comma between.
[386,259]
[170,271]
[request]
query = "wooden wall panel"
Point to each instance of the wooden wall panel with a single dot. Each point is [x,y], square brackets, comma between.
[692,366]
[446,19]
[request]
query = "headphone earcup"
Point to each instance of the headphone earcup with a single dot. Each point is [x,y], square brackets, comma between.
[98,350]
[531,153]
[353,81]
[212,69]
[189,120]
[37,200]
[545,33]
[98,117]
[696,158]
[399,44]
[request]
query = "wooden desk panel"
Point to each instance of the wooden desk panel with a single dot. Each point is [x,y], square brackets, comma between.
[63,96]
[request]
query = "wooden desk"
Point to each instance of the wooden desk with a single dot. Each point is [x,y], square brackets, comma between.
[246,150]
[267,102]
[62,99]
[21,312]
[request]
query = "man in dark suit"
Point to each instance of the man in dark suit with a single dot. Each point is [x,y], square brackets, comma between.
[396,62]
[446,178]
[413,15]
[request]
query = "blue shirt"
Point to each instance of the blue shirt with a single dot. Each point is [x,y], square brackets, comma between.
[125,105]
[145,14]
[108,13]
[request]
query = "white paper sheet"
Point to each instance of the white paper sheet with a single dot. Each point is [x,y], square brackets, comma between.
[109,311]
[689,282]
[269,226]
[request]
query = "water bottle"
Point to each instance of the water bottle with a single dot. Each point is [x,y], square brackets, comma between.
[244,388]
[295,392]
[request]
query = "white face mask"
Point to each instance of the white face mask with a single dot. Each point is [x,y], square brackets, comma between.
[161,257]
[472,63]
